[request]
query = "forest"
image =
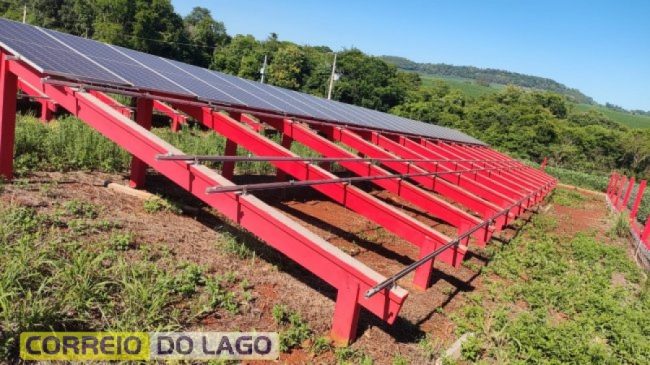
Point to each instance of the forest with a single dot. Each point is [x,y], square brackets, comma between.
[527,123]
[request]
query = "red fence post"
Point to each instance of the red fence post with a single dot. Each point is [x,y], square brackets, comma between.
[8,89]
[646,232]
[637,200]
[543,165]
[619,191]
[143,113]
[623,203]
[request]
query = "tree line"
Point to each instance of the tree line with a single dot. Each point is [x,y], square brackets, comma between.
[526,123]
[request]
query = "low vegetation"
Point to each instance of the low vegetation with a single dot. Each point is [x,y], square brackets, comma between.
[551,298]
[102,277]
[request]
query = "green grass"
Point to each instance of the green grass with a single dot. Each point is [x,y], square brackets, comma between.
[553,299]
[466,86]
[628,119]
[55,278]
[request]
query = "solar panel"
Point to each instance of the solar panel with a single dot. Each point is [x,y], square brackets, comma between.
[80,59]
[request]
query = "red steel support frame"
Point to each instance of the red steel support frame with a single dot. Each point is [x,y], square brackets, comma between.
[487,188]
[626,197]
[351,197]
[143,113]
[448,185]
[8,88]
[637,200]
[495,182]
[47,106]
[347,275]
[176,117]
[411,193]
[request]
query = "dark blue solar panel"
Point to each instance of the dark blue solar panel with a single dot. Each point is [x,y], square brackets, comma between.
[77,58]
[119,63]
[48,55]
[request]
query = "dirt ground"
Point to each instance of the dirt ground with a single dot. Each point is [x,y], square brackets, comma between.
[194,237]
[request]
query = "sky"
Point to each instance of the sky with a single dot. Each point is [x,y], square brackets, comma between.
[601,48]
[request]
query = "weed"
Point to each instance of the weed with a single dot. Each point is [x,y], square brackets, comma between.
[187,281]
[321,345]
[122,241]
[296,330]
[471,349]
[158,204]
[400,360]
[80,209]
[567,198]
[218,297]
[232,245]
[430,347]
[621,227]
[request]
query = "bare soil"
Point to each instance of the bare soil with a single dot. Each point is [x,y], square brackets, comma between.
[275,280]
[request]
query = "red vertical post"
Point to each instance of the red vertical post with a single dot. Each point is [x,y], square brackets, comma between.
[143,113]
[626,198]
[646,232]
[637,200]
[8,89]
[286,143]
[346,313]
[543,165]
[228,169]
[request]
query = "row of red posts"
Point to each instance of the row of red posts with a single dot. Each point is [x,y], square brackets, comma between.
[619,191]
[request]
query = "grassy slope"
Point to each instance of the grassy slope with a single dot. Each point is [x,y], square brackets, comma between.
[628,119]
[554,297]
[472,89]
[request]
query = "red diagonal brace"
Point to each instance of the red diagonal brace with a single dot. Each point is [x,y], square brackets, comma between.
[349,196]
[508,177]
[290,238]
[495,183]
[176,117]
[445,185]
[123,109]
[411,193]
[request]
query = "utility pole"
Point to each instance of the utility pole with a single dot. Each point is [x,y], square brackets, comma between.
[24,13]
[332,76]
[263,70]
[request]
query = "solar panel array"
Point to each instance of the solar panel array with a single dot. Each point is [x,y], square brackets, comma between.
[79,59]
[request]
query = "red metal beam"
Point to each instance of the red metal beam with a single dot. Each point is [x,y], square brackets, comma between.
[392,219]
[507,177]
[411,193]
[47,106]
[347,275]
[459,188]
[176,117]
[497,184]
[143,113]
[123,109]
[8,89]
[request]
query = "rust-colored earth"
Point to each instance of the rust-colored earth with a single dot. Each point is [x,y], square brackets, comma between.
[276,280]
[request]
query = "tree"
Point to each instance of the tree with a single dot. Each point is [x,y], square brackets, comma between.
[288,67]
[205,34]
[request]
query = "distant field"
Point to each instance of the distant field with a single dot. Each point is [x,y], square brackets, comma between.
[466,86]
[628,119]
[472,89]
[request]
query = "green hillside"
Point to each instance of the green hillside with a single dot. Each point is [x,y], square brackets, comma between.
[625,118]
[466,86]
[473,89]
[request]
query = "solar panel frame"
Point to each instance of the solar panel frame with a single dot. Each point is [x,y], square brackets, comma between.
[89,60]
